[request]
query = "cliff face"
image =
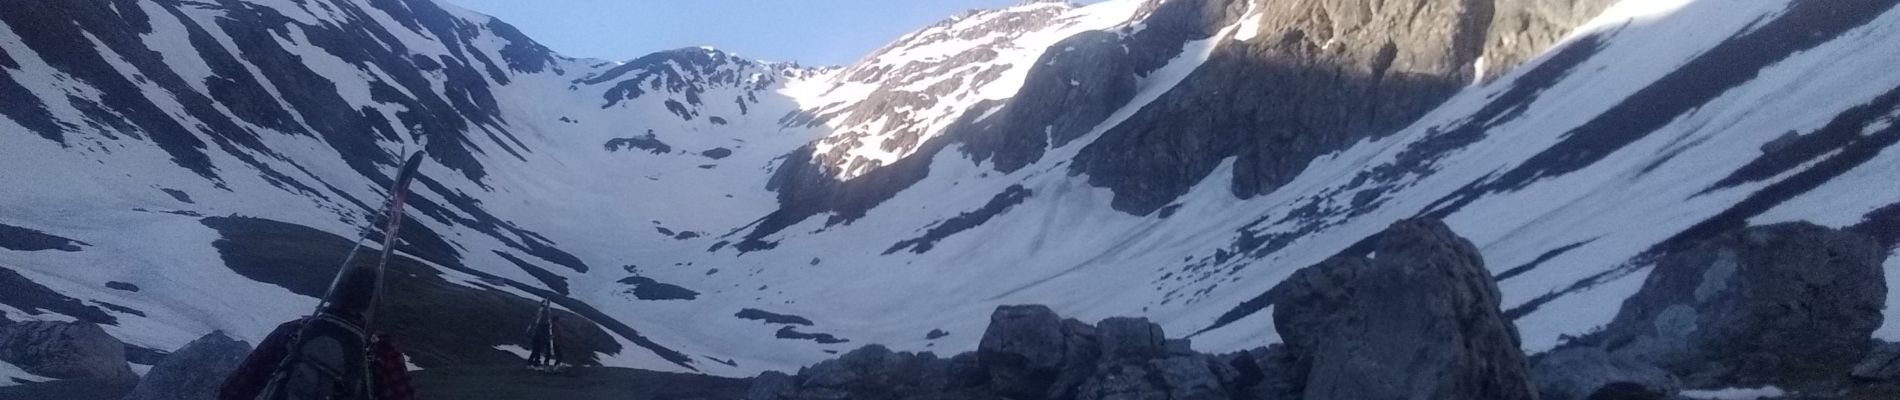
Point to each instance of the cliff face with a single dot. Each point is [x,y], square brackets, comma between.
[1298,80]
[1520,30]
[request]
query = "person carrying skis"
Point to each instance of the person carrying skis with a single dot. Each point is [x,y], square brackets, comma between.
[544,340]
[325,356]
[540,337]
[331,354]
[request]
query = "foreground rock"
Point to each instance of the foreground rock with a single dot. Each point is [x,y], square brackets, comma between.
[65,350]
[1790,305]
[1419,321]
[194,371]
[1028,352]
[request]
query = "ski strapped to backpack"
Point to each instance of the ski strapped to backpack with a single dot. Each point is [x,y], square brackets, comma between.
[329,357]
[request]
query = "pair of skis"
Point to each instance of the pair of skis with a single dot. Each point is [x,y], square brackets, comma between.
[392,224]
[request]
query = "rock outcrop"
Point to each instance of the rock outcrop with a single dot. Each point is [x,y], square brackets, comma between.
[1883,363]
[1790,305]
[1029,353]
[65,350]
[1317,76]
[194,371]
[1076,85]
[1520,30]
[1419,321]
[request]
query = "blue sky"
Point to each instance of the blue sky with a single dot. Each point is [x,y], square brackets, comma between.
[814,32]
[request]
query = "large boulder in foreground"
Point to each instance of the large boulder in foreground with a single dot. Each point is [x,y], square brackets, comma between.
[1770,305]
[65,350]
[1420,320]
[1027,349]
[194,371]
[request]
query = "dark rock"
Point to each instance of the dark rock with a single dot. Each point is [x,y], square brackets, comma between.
[1581,373]
[65,350]
[1273,374]
[1781,142]
[122,286]
[1023,350]
[1191,378]
[649,142]
[23,239]
[1327,73]
[1626,391]
[1421,321]
[194,371]
[788,332]
[1772,305]
[770,385]
[966,371]
[1122,381]
[1030,353]
[1883,363]
[870,372]
[1073,87]
[1124,338]
[771,317]
[717,153]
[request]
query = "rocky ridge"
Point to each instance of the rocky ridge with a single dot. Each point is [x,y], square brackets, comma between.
[1420,320]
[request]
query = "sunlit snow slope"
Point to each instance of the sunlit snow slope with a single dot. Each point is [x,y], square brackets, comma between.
[723,215]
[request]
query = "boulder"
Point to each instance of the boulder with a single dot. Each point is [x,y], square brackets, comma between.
[1025,349]
[1124,338]
[1420,321]
[1883,363]
[194,371]
[1122,381]
[1268,373]
[1582,373]
[877,372]
[65,350]
[771,385]
[1772,305]
[1194,377]
[1030,353]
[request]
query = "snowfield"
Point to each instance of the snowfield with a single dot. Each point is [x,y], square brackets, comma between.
[660,184]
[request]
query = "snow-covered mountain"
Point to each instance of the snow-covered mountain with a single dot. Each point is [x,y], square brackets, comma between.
[176,167]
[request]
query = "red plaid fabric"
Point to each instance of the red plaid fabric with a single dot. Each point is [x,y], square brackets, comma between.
[390,371]
[251,375]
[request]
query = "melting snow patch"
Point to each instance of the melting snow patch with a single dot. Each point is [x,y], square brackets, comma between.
[11,375]
[1769,392]
[1249,27]
[513,349]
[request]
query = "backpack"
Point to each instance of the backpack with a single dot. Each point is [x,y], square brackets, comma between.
[327,360]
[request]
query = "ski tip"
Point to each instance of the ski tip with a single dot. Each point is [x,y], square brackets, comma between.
[409,167]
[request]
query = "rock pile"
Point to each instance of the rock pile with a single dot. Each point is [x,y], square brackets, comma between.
[1028,353]
[1356,328]
[1790,306]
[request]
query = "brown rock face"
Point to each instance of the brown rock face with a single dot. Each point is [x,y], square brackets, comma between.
[1521,30]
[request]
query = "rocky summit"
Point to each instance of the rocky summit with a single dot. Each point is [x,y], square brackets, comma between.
[1242,199]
